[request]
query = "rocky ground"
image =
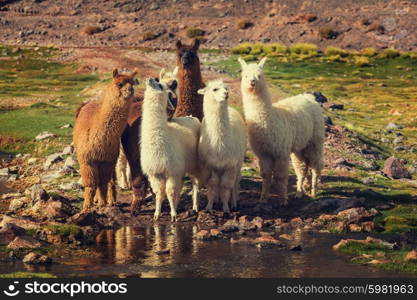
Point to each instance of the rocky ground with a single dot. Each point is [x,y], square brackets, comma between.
[348,24]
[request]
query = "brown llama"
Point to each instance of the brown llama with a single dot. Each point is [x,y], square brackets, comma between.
[190,81]
[97,132]
[130,142]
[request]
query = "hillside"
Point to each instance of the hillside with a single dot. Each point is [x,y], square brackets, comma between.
[349,24]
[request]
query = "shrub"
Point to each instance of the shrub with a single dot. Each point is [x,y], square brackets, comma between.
[368,52]
[148,36]
[304,48]
[194,32]
[389,53]
[361,61]
[331,51]
[244,24]
[92,29]
[244,48]
[275,49]
[334,58]
[257,49]
[328,33]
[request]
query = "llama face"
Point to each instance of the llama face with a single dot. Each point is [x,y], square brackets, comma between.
[215,90]
[187,54]
[159,92]
[252,74]
[125,83]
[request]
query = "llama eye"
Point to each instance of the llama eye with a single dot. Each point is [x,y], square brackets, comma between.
[215,90]
[120,85]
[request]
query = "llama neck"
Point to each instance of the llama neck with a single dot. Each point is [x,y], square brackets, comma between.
[154,120]
[257,105]
[216,118]
[113,113]
[190,102]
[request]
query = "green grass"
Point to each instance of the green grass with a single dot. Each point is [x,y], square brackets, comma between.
[394,258]
[65,230]
[402,218]
[27,275]
[37,94]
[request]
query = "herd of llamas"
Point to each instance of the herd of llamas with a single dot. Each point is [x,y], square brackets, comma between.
[151,142]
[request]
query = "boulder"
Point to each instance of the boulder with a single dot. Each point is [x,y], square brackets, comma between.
[411,256]
[35,258]
[9,231]
[51,159]
[37,193]
[51,209]
[84,218]
[395,169]
[24,242]
[18,203]
[20,222]
[356,214]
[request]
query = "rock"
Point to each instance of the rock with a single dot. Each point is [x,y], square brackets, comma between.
[20,222]
[378,261]
[258,222]
[368,226]
[51,159]
[9,231]
[319,97]
[18,203]
[266,239]
[51,209]
[68,150]
[245,224]
[70,162]
[203,235]
[411,256]
[296,222]
[215,233]
[395,169]
[393,126]
[355,228]
[66,126]
[44,135]
[84,218]
[37,193]
[328,120]
[286,237]
[356,214]
[10,195]
[4,172]
[24,242]
[368,240]
[67,170]
[32,160]
[333,106]
[49,177]
[35,258]
[70,186]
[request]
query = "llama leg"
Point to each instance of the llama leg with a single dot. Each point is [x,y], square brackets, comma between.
[196,188]
[111,193]
[173,190]
[281,170]
[235,191]
[158,185]
[102,195]
[212,190]
[266,165]
[89,174]
[227,183]
[300,169]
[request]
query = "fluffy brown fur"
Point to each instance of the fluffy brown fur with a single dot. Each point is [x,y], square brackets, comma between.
[97,131]
[190,81]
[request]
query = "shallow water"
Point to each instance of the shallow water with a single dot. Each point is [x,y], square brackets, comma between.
[134,252]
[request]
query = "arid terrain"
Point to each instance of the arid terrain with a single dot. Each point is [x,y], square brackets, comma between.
[358,56]
[349,24]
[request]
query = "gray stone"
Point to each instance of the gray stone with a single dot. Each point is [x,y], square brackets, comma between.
[51,159]
[4,172]
[395,169]
[35,258]
[68,150]
[44,135]
[18,203]
[393,126]
[70,162]
[37,193]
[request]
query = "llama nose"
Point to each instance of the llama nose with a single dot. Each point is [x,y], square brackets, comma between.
[252,83]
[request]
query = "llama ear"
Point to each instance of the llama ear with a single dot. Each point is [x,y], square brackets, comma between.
[173,85]
[162,73]
[262,62]
[115,73]
[175,72]
[242,62]
[178,44]
[202,91]
[196,44]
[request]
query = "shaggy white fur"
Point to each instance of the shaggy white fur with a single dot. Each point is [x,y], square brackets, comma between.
[122,167]
[293,126]
[168,150]
[222,146]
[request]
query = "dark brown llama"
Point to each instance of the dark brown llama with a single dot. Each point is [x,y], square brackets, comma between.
[190,81]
